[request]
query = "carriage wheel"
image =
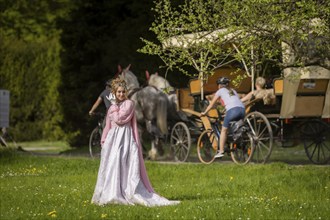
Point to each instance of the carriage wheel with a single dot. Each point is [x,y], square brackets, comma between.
[262,135]
[180,141]
[205,149]
[316,137]
[242,152]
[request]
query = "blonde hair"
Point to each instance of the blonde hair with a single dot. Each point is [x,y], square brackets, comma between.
[261,82]
[116,83]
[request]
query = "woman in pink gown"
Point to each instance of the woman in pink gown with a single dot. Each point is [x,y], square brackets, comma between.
[122,177]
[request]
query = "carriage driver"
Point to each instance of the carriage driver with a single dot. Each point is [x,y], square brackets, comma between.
[235,109]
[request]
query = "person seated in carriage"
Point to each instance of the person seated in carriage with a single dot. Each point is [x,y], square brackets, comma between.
[267,95]
[235,109]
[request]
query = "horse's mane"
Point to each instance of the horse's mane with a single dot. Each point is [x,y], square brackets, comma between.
[132,91]
[130,79]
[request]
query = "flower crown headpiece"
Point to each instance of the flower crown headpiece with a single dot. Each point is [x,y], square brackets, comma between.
[118,83]
[122,84]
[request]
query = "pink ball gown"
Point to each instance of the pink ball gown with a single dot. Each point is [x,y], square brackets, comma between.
[122,176]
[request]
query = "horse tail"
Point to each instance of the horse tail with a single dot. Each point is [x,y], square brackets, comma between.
[162,114]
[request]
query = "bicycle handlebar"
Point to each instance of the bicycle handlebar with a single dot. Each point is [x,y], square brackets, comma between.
[99,114]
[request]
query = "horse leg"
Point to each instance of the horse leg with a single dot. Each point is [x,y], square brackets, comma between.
[153,153]
[156,148]
[159,146]
[144,149]
[156,142]
[151,130]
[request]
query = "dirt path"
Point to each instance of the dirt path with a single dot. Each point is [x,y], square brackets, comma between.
[54,152]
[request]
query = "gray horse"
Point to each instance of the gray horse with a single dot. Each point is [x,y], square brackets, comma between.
[159,82]
[150,108]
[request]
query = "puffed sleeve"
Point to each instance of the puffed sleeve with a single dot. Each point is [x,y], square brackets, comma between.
[124,113]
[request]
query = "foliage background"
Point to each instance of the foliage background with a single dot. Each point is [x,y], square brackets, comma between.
[55,57]
[30,67]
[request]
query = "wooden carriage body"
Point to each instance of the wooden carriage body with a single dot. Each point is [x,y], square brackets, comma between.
[188,98]
[306,92]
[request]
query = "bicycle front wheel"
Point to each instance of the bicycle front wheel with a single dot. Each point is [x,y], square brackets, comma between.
[262,135]
[7,141]
[95,144]
[207,146]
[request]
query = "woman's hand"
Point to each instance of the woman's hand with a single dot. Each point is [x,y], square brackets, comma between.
[114,108]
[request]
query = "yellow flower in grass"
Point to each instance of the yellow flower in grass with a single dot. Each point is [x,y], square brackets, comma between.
[52,214]
[104,215]
[231,178]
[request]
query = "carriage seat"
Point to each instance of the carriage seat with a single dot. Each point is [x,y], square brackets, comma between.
[185,100]
[269,99]
[310,97]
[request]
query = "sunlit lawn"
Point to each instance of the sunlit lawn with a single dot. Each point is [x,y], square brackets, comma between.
[48,187]
[291,155]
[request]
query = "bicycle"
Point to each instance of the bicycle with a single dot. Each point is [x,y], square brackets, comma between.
[240,140]
[95,137]
[6,140]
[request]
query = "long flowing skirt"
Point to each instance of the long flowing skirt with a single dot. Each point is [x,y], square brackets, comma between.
[119,180]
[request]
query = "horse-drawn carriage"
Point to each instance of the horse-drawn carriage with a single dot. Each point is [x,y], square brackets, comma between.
[302,111]
[302,104]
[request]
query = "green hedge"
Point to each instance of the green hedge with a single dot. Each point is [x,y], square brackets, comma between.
[30,71]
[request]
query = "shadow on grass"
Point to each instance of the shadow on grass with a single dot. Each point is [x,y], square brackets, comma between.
[289,155]
[46,151]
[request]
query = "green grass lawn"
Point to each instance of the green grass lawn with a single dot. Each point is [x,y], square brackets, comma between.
[61,187]
[291,155]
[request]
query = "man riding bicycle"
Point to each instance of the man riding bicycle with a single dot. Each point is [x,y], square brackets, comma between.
[106,96]
[95,138]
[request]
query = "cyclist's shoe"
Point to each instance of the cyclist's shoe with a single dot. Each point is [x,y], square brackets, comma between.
[219,155]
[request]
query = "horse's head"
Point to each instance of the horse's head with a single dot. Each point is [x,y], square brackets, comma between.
[129,77]
[159,82]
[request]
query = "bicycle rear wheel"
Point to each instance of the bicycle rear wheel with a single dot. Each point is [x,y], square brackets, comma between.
[95,144]
[207,146]
[242,152]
